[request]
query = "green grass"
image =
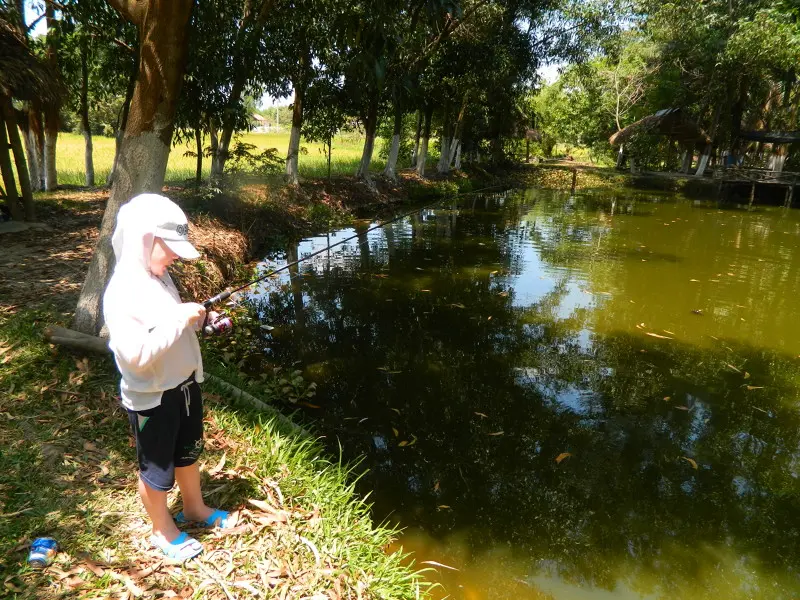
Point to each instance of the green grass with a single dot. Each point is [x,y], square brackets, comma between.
[67,470]
[346,155]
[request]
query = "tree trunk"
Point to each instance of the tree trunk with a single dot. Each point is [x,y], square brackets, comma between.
[417,130]
[214,141]
[12,198]
[252,24]
[31,157]
[688,155]
[620,156]
[292,155]
[422,157]
[10,117]
[391,164]
[50,111]
[457,162]
[330,149]
[123,121]
[198,138]
[163,28]
[87,132]
[702,163]
[371,125]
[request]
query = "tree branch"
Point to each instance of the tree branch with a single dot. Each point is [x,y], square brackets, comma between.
[132,10]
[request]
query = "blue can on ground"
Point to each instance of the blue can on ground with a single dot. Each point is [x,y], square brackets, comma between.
[43,551]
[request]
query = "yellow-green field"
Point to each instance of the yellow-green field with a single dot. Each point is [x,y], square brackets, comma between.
[345,156]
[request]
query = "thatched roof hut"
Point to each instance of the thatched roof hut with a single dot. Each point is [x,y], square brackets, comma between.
[670,122]
[23,76]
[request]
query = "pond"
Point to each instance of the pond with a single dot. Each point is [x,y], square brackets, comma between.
[565,396]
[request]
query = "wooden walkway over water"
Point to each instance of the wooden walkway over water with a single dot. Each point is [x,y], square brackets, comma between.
[764,177]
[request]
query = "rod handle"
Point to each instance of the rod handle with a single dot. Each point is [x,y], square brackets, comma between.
[217,299]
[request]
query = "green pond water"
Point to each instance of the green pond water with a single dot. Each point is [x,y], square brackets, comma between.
[590,396]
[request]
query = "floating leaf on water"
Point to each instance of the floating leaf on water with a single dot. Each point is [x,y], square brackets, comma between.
[267,327]
[498,433]
[443,507]
[667,398]
[424,290]
[695,280]
[691,461]
[562,456]
[413,440]
[403,443]
[308,404]
[395,410]
[714,280]
[436,486]
[480,414]
[697,311]
[755,387]
[655,335]
[456,305]
[489,318]
[746,375]
[668,332]
[682,407]
[436,564]
[731,275]
[395,432]
[732,367]
[362,420]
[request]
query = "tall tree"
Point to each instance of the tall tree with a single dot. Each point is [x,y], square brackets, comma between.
[163,37]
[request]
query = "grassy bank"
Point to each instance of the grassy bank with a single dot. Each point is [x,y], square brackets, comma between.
[68,470]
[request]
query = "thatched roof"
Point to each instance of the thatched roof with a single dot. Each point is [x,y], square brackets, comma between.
[22,75]
[670,122]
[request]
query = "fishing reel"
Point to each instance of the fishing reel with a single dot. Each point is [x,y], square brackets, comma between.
[222,324]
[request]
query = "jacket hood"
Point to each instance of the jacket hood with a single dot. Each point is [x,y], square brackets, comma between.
[137,222]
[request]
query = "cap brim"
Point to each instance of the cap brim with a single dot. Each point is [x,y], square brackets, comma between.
[183,249]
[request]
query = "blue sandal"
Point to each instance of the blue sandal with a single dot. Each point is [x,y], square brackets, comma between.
[182,548]
[219,518]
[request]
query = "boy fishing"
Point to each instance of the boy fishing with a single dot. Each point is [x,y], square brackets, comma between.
[152,335]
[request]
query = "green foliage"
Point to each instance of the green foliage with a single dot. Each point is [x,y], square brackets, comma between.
[243,159]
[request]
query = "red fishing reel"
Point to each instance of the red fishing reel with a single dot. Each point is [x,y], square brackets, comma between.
[221,324]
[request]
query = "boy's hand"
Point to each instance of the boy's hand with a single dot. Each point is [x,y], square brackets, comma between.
[194,313]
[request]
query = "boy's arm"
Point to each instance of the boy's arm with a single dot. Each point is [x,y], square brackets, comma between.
[139,347]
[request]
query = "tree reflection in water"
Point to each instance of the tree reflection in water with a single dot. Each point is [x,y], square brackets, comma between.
[497,334]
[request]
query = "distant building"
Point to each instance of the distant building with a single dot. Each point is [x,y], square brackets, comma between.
[260,124]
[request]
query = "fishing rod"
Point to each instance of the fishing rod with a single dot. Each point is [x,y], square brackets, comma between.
[223,323]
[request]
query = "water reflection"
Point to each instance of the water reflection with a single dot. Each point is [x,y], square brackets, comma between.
[652,339]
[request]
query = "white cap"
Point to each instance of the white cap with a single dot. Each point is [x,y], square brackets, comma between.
[173,228]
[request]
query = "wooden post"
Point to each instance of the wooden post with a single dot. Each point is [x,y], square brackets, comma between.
[790,193]
[574,179]
[19,160]
[12,198]
[752,195]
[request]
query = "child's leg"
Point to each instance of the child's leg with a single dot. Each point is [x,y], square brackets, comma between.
[194,508]
[155,503]
[189,447]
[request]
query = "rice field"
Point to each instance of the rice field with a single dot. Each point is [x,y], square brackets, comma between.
[346,155]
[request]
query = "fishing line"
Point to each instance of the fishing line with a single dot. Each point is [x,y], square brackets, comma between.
[222,296]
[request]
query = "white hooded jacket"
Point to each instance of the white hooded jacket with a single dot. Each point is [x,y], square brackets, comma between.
[153,345]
